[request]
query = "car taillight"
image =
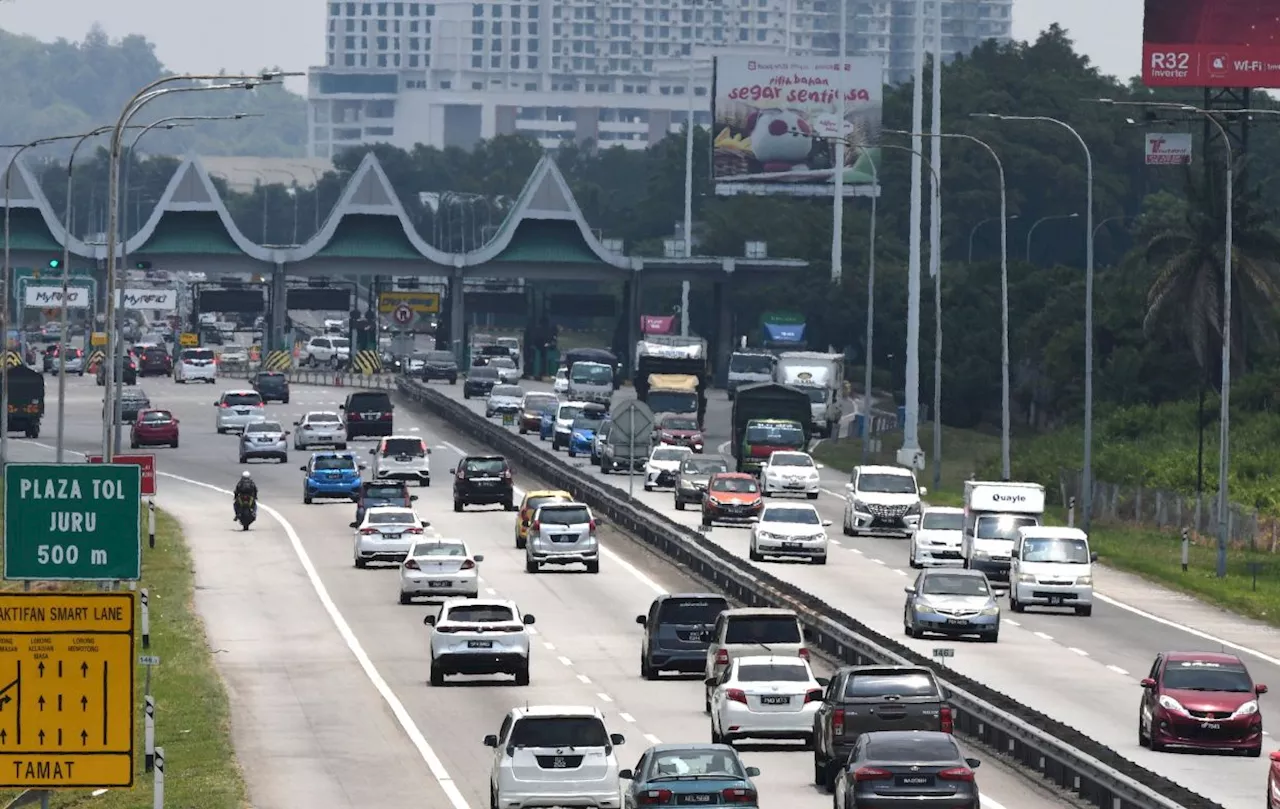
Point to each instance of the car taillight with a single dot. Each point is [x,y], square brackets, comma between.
[385,417]
[537,525]
[226,404]
[871,774]
[411,564]
[653,797]
[837,722]
[813,695]
[722,657]
[367,531]
[592,525]
[506,474]
[956,774]
[413,530]
[353,417]
[469,564]
[448,629]
[948,722]
[736,695]
[804,654]
[738,795]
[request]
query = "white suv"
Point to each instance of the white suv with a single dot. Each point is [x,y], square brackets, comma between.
[331,351]
[882,500]
[479,636]
[554,755]
[402,457]
[562,534]
[195,365]
[790,473]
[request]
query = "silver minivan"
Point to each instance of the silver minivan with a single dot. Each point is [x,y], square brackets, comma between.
[562,534]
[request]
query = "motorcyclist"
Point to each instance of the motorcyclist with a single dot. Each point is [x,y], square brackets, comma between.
[244,488]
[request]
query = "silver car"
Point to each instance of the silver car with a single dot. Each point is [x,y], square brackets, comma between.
[439,568]
[952,602]
[236,409]
[264,439]
[386,534]
[504,399]
[562,534]
[508,373]
[320,428]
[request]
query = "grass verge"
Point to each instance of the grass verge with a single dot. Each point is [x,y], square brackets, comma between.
[192,714]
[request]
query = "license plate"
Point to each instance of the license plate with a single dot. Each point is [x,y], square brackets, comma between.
[915,780]
[564,538]
[795,485]
[479,644]
[390,535]
[435,584]
[700,799]
[1055,600]
[559,764]
[957,622]
[1211,726]
[792,546]
[775,700]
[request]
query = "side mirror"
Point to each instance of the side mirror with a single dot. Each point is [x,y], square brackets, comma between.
[1147,682]
[353,525]
[453,471]
[617,738]
[910,589]
[342,407]
[175,421]
[1259,689]
[820,466]
[754,520]
[1015,554]
[303,467]
[428,450]
[491,740]
[753,772]
[287,433]
[1275,755]
[924,490]
[373,452]
[430,620]
[528,620]
[1093,556]
[413,498]
[973,763]
[826,523]
[823,681]
[297,424]
[640,619]
[426,523]
[711,680]
[848,487]
[215,404]
[626,775]
[363,466]
[479,557]
[808,634]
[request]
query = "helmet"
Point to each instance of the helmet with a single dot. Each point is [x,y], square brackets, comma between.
[245,474]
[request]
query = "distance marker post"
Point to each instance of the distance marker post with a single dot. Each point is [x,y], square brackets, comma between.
[146,621]
[158,802]
[151,523]
[149,729]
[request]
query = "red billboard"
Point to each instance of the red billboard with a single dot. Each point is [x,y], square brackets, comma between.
[1211,43]
[148,464]
[657,324]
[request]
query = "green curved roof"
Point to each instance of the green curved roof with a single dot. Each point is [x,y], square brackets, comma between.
[191,233]
[548,241]
[28,231]
[370,236]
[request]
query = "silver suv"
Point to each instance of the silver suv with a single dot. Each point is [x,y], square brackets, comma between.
[562,534]
[402,457]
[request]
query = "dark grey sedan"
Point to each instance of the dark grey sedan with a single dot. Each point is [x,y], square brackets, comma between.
[922,768]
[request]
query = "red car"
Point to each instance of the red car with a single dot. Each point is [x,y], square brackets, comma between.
[679,430]
[1273,782]
[154,428]
[1203,701]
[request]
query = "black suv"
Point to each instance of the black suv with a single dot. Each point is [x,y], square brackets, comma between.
[677,632]
[272,386]
[129,375]
[155,360]
[861,699]
[480,381]
[374,493]
[440,365]
[483,480]
[369,413]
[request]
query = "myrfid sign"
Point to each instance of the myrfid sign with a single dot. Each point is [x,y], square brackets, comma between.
[165,300]
[39,296]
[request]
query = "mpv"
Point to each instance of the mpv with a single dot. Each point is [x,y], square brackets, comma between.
[677,631]
[402,457]
[195,365]
[562,534]
[749,631]
[369,413]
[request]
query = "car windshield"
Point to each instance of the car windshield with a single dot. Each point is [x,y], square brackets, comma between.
[673,401]
[569,412]
[772,673]
[323,418]
[776,435]
[197,354]
[564,515]
[369,402]
[954,584]
[790,459]
[483,372]
[481,614]
[943,521]
[669,454]
[395,447]
[717,764]
[684,423]
[156,416]
[1061,550]
[1200,675]
[586,424]
[886,484]
[816,395]
[890,684]
[439,357]
[539,402]
[392,518]
[440,549]
[691,610]
[271,379]
[510,391]
[762,629]
[341,342]
[739,485]
[559,731]
[486,466]
[1001,526]
[591,373]
[390,494]
[534,503]
[242,399]
[911,748]
[704,466]
[264,427]
[751,364]
[793,514]
[330,464]
[562,373]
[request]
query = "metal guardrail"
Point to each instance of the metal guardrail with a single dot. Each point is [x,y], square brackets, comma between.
[1059,753]
[31,797]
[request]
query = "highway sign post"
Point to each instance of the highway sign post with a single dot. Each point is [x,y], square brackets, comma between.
[66,690]
[403,314]
[943,653]
[147,463]
[632,425]
[72,522]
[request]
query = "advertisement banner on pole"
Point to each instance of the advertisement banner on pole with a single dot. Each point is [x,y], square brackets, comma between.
[775,122]
[1210,43]
[39,296]
[657,324]
[1168,149]
[152,299]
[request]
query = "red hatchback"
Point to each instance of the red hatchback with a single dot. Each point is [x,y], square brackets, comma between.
[154,428]
[1200,700]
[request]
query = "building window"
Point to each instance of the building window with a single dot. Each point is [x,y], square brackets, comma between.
[351,9]
[477,62]
[515,63]
[477,27]
[532,62]
[382,43]
[477,45]
[382,9]
[380,132]
[413,60]
[495,62]
[382,60]
[335,9]
[366,10]
[413,9]
[445,84]
[495,45]
[399,7]
[477,10]
[477,85]
[350,60]
[495,10]
[415,44]
[497,29]
[533,12]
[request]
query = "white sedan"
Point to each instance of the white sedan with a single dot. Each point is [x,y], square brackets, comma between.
[321,428]
[765,697]
[663,466]
[937,542]
[790,473]
[439,568]
[561,385]
[789,529]
[386,534]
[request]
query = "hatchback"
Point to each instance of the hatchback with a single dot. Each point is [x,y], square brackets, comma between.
[562,534]
[402,457]
[236,409]
[374,493]
[691,775]
[386,535]
[154,428]
[155,360]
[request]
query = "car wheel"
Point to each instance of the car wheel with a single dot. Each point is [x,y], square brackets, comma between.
[847,527]
[457,505]
[306,499]
[716,738]
[1014,603]
[706,700]
[437,676]
[361,563]
[174,444]
[1084,612]
[754,555]
[522,675]
[1143,739]
[523,431]
[593,567]
[133,443]
[343,445]
[243,459]
[706,520]
[647,672]
[911,560]
[222,431]
[520,542]
[465,394]
[991,637]
[820,560]
[405,598]
[679,504]
[648,488]
[819,770]
[572,454]
[1254,752]
[510,506]
[530,566]
[811,495]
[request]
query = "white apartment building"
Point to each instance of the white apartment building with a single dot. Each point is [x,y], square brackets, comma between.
[616,72]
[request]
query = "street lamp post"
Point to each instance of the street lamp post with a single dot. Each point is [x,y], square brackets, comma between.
[1032,230]
[1098,227]
[871,310]
[974,230]
[1087,474]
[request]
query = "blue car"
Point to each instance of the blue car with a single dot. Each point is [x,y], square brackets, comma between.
[332,475]
[583,436]
[547,427]
[690,775]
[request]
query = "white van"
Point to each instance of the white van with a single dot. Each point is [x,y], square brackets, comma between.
[195,365]
[993,513]
[1052,566]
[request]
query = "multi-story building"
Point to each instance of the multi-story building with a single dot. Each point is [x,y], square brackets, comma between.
[618,72]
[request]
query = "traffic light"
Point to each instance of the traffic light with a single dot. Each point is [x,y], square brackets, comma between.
[55,263]
[142,265]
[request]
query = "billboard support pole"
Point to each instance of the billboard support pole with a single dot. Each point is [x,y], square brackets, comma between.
[910,455]
[688,199]
[935,241]
[837,202]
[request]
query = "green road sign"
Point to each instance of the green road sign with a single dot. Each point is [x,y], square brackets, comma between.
[72,521]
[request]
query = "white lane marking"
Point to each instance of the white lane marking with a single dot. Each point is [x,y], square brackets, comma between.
[1043,636]
[989,803]
[835,542]
[531,630]
[626,717]
[900,572]
[489,591]
[1119,671]
[550,647]
[856,550]
[1275,661]
[878,561]
[584,679]
[833,494]
[1078,651]
[564,661]
[1012,622]
[604,697]
[651,739]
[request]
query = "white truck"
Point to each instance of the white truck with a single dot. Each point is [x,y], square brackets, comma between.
[993,513]
[750,367]
[821,376]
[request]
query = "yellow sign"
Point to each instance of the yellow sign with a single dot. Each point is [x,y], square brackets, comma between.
[189,339]
[98,338]
[66,690]
[424,303]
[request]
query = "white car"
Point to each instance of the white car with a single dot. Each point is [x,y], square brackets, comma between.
[936,543]
[402,457]
[882,500]
[561,385]
[236,409]
[195,365]
[320,428]
[765,697]
[663,466]
[790,473]
[562,430]
[555,755]
[438,568]
[562,534]
[789,529]
[386,535]
[504,399]
[331,351]
[508,373]
[335,327]
[479,636]
[233,357]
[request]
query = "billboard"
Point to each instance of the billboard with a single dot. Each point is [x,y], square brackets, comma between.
[162,300]
[50,297]
[775,122]
[1210,43]
[1168,149]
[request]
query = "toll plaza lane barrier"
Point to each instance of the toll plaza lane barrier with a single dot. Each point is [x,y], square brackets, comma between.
[336,379]
[1060,754]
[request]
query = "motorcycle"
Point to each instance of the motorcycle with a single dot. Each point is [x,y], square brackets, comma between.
[246,510]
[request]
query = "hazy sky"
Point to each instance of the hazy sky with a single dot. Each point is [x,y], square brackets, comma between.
[250,34]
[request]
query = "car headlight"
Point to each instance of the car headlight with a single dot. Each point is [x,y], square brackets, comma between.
[914,508]
[1026,578]
[1248,709]
[923,607]
[765,535]
[1085,581]
[859,505]
[992,610]
[1171,704]
[977,554]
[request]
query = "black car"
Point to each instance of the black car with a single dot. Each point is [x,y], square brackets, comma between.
[483,480]
[132,402]
[480,382]
[677,632]
[907,768]
[272,386]
[374,493]
[155,360]
[440,365]
[369,413]
[129,374]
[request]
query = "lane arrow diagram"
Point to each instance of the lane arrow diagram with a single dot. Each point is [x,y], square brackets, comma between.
[84,738]
[84,703]
[59,737]
[59,702]
[41,735]
[4,734]
[84,669]
[5,700]
[40,668]
[40,702]
[59,668]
